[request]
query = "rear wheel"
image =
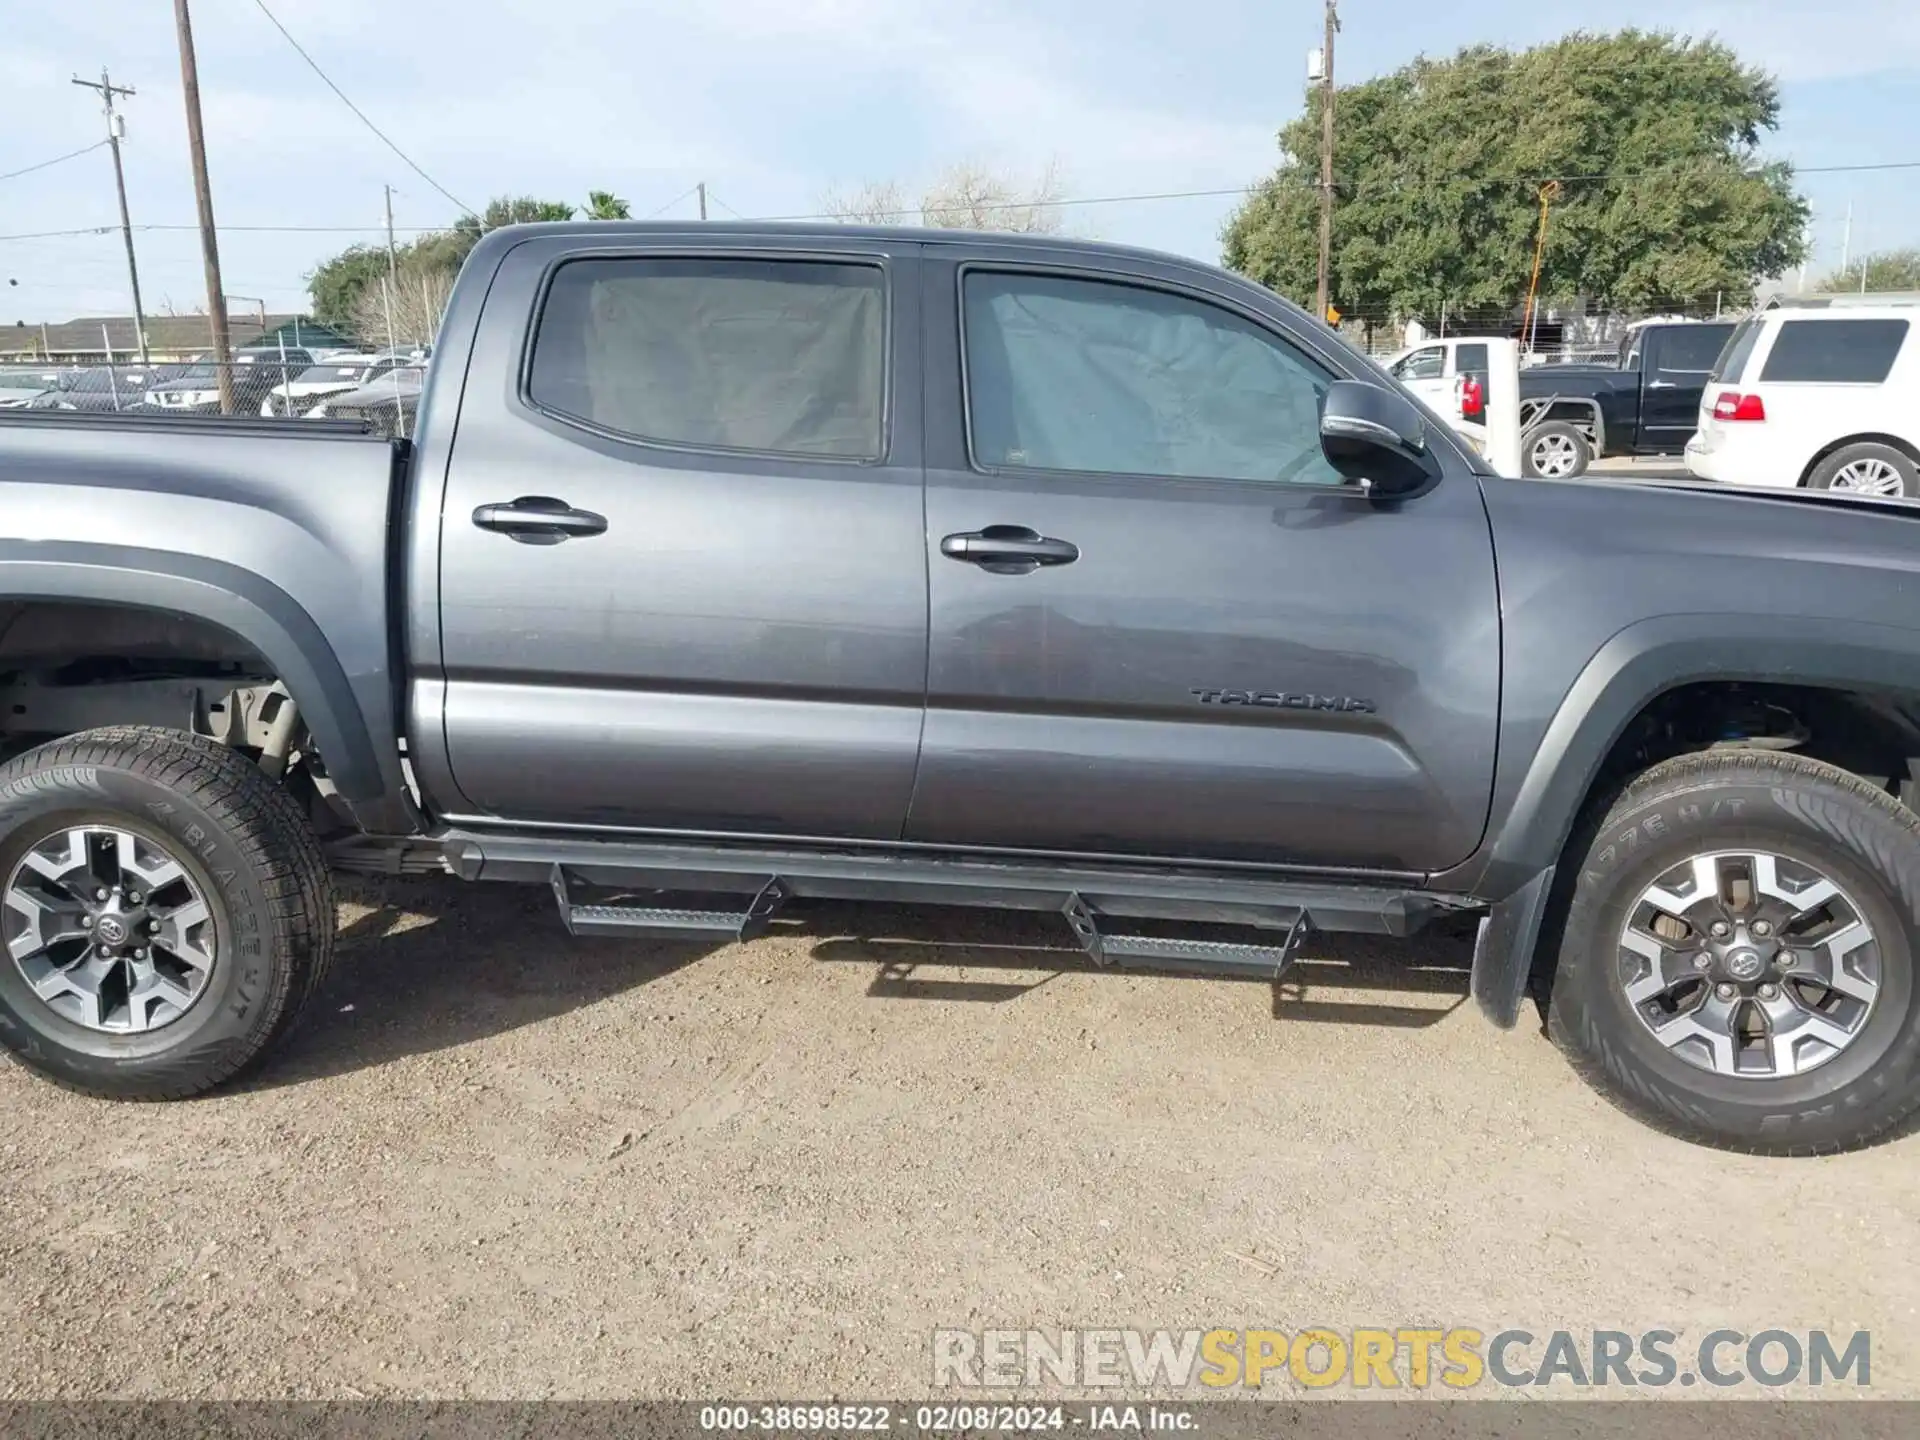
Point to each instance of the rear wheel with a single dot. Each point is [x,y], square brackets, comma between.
[1868,469]
[1738,960]
[165,912]
[1556,451]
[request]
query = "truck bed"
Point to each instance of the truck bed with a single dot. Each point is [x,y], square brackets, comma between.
[278,528]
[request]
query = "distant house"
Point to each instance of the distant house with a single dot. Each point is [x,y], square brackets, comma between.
[99,339]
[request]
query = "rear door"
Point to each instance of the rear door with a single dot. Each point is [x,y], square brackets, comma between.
[1676,364]
[1161,627]
[683,585]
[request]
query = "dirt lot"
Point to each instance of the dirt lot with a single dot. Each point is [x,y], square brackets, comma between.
[499,1163]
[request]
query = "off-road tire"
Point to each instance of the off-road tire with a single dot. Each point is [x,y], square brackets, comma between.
[1721,800]
[254,857]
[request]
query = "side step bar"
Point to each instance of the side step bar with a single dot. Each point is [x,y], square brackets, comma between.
[1208,957]
[664,920]
[729,877]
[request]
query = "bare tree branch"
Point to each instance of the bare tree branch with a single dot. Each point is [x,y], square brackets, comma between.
[966,196]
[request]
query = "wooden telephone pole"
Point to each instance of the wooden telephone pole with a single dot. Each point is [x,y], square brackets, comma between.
[1321,298]
[108,90]
[203,193]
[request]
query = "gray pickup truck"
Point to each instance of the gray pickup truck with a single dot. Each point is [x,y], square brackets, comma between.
[736,566]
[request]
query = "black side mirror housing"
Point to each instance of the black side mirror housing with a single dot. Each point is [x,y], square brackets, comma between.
[1376,438]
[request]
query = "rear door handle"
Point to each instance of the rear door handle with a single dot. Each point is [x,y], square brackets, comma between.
[539,520]
[1008,549]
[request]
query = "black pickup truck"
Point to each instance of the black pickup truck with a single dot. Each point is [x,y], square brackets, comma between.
[734,566]
[1646,402]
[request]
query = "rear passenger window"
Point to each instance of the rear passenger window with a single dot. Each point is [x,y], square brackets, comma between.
[1732,363]
[1470,360]
[782,357]
[1089,375]
[1834,352]
[1690,347]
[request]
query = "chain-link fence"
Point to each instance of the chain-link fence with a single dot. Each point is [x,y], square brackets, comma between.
[379,390]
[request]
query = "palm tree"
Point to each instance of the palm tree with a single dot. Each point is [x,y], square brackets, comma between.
[605,205]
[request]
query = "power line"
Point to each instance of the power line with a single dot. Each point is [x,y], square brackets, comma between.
[57,160]
[384,139]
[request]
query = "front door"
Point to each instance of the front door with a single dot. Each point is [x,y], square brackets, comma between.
[1160,626]
[683,579]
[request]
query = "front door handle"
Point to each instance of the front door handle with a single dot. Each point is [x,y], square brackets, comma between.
[1008,549]
[539,520]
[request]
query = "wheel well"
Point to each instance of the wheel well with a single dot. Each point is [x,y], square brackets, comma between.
[67,666]
[1873,735]
[1905,447]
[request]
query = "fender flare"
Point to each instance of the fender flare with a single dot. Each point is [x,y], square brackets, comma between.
[244,604]
[1631,670]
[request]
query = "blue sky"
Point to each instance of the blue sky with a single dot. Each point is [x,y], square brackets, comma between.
[773,102]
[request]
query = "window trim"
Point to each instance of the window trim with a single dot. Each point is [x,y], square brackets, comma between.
[867,260]
[1780,330]
[1058,271]
[1437,348]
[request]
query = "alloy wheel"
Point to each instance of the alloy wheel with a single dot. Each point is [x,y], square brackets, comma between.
[1868,476]
[108,929]
[1749,964]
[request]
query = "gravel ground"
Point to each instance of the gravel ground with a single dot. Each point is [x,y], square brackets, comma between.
[496,1163]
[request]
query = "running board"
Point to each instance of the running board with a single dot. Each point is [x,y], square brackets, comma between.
[729,877]
[665,921]
[1207,957]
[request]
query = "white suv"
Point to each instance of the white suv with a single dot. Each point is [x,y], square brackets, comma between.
[1826,399]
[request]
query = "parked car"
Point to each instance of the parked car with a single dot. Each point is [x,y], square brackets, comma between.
[794,562]
[387,402]
[1645,404]
[102,387]
[196,389]
[21,387]
[1826,399]
[1450,374]
[330,377]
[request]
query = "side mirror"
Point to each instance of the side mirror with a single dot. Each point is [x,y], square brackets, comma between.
[1375,437]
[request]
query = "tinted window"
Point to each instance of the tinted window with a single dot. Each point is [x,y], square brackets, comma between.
[1091,376]
[330,374]
[1836,352]
[1689,347]
[1470,360]
[1732,363]
[1428,364]
[781,356]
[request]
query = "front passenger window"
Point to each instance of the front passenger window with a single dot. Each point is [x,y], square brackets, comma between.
[1090,375]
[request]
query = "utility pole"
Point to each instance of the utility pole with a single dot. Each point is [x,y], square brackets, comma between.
[108,90]
[393,256]
[203,193]
[702,187]
[1846,241]
[1321,297]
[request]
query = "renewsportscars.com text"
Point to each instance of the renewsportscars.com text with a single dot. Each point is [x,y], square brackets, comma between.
[1416,1358]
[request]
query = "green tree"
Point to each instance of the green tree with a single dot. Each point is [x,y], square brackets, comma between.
[1438,170]
[1887,270]
[605,205]
[337,285]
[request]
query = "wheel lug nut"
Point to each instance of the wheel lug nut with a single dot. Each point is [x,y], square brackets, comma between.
[100,894]
[140,953]
[1721,929]
[86,922]
[153,927]
[133,898]
[1702,961]
[1762,929]
[1768,992]
[1724,991]
[1786,960]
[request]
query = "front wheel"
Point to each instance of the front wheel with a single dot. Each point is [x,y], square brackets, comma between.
[166,912]
[1738,960]
[1556,451]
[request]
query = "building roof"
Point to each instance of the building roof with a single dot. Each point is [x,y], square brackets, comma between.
[169,334]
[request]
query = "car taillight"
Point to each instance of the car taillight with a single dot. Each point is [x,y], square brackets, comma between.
[1473,398]
[1732,405]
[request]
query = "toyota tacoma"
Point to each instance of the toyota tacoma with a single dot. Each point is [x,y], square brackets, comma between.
[736,566]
